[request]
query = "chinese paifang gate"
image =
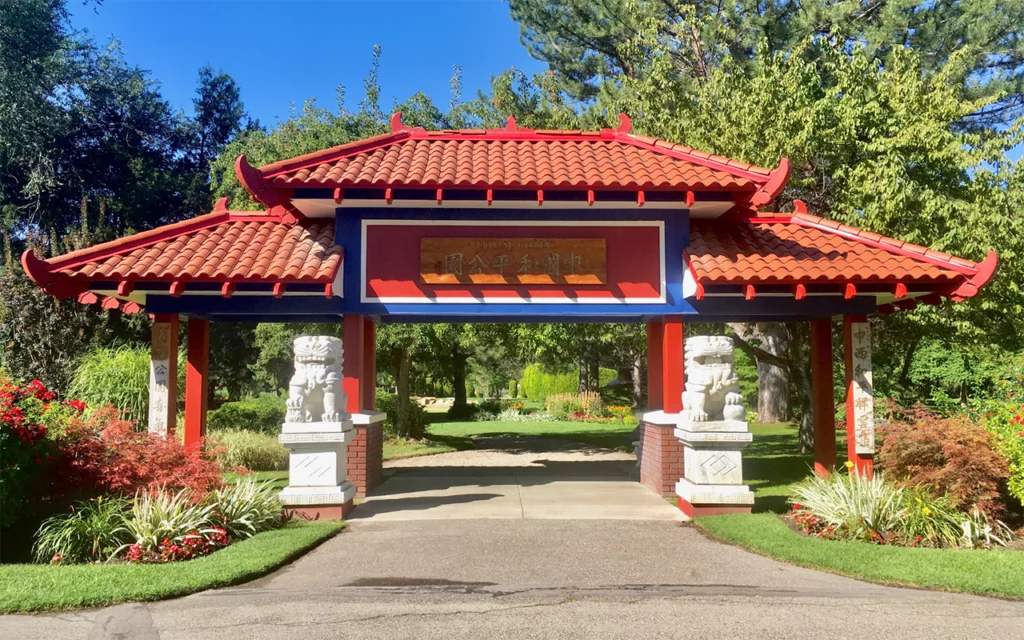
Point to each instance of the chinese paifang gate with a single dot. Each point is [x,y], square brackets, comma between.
[520,225]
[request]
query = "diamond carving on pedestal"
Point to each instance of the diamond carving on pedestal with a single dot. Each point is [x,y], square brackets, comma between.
[719,465]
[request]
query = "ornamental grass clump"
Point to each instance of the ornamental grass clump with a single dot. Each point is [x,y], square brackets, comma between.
[246,508]
[159,519]
[250,449]
[92,532]
[875,510]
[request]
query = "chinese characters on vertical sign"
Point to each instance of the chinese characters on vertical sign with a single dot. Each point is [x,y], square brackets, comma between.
[863,398]
[159,380]
[513,261]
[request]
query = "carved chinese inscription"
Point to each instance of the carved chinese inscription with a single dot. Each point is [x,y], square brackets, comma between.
[513,261]
[863,397]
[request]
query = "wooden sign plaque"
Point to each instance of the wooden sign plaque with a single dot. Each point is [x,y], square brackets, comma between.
[513,261]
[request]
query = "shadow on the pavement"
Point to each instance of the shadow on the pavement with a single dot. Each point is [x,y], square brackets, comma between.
[543,472]
[375,507]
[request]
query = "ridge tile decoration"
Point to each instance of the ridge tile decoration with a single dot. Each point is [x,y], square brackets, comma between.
[513,261]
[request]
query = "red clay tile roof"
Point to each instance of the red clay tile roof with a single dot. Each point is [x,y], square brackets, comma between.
[806,249]
[511,158]
[219,247]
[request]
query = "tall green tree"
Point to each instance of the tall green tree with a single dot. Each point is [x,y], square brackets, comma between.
[587,42]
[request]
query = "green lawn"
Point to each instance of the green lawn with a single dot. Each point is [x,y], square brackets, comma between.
[998,573]
[770,466]
[458,434]
[35,587]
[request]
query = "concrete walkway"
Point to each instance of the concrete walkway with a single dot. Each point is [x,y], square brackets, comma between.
[495,544]
[545,579]
[516,478]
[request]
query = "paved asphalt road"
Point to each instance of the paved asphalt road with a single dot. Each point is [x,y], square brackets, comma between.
[478,579]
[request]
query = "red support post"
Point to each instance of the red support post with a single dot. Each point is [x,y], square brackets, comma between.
[369,365]
[863,463]
[655,332]
[197,376]
[823,399]
[352,368]
[672,364]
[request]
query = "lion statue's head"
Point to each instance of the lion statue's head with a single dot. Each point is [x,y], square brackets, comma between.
[709,351]
[318,350]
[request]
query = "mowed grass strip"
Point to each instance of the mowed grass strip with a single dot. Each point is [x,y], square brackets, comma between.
[611,436]
[996,573]
[32,587]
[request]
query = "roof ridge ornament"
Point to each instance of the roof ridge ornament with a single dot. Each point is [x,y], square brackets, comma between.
[625,124]
[511,124]
[397,126]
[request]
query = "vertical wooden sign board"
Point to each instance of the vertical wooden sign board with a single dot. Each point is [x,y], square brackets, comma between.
[162,374]
[862,397]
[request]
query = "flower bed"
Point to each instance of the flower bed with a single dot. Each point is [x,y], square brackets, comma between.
[874,510]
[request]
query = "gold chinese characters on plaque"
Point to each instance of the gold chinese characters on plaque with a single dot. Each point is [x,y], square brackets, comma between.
[513,261]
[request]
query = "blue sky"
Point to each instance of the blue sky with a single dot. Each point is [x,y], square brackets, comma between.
[285,52]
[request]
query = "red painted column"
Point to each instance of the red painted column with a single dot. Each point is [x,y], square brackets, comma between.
[672,364]
[369,365]
[197,376]
[352,368]
[655,397]
[862,463]
[823,400]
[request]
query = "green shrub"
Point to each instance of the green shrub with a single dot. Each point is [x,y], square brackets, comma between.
[538,384]
[1005,420]
[264,414]
[415,418]
[246,508]
[91,532]
[118,376]
[566,405]
[252,450]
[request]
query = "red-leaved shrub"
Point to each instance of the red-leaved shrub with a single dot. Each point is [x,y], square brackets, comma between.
[105,451]
[951,455]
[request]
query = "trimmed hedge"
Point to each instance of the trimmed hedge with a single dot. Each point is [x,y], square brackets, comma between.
[264,414]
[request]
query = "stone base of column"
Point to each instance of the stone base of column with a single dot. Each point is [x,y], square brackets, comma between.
[659,453]
[366,451]
[713,499]
[321,512]
[694,511]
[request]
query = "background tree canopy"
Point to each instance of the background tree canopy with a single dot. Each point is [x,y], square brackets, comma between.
[898,117]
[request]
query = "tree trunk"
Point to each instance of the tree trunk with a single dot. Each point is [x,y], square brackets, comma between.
[583,385]
[594,376]
[768,344]
[402,380]
[800,371]
[637,374]
[459,378]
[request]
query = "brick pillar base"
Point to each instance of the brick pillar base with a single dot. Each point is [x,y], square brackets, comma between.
[366,456]
[660,456]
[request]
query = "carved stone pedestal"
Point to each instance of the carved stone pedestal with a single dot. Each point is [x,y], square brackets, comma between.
[712,431]
[712,480]
[317,467]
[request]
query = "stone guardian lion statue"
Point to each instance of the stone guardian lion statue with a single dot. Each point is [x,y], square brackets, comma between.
[712,386]
[314,392]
